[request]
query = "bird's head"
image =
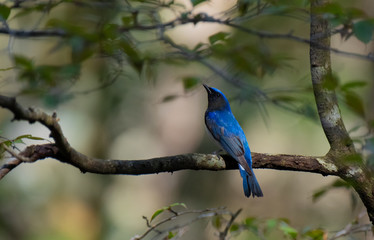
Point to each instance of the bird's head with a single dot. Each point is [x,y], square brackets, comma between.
[216,99]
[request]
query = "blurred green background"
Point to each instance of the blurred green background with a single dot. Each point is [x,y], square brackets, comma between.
[151,114]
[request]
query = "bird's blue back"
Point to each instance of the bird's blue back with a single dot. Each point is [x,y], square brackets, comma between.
[226,120]
[226,130]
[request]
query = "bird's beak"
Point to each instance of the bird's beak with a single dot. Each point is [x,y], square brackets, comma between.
[207,88]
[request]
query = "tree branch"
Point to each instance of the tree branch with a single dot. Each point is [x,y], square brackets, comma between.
[223,234]
[62,151]
[342,151]
[33,33]
[194,19]
[192,161]
[327,103]
[9,166]
[30,154]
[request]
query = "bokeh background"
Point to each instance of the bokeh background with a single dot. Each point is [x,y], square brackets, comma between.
[131,120]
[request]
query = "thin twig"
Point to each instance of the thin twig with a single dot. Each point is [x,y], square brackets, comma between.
[16,155]
[223,234]
[352,229]
[201,17]
[9,166]
[173,217]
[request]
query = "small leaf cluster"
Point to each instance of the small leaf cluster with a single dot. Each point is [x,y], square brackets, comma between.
[278,228]
[18,140]
[353,20]
[168,223]
[347,92]
[337,184]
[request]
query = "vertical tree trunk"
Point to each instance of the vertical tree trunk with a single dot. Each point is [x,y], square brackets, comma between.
[342,152]
[322,79]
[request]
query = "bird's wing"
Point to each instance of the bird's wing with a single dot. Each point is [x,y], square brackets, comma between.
[231,143]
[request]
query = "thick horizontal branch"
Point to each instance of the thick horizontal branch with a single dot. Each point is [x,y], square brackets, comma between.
[192,161]
[62,151]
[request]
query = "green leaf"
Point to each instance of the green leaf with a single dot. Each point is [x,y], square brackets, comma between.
[340,183]
[288,230]
[252,224]
[234,227]
[363,30]
[133,54]
[178,204]
[354,102]
[353,84]
[317,195]
[190,82]
[171,235]
[29,136]
[8,143]
[127,21]
[158,212]
[169,98]
[250,221]
[220,36]
[18,141]
[315,234]
[197,2]
[271,224]
[23,62]
[216,222]
[4,12]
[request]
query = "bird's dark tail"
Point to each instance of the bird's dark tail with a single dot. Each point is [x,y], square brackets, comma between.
[250,184]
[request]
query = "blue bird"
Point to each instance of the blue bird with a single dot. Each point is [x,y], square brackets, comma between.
[226,130]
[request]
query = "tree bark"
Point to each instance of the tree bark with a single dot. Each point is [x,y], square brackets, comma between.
[342,152]
[341,160]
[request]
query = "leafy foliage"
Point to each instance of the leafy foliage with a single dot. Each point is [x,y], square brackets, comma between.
[168,208]
[190,83]
[363,30]
[354,20]
[171,224]
[134,36]
[18,140]
[4,12]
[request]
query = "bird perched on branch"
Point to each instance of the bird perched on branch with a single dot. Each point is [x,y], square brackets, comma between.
[226,130]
